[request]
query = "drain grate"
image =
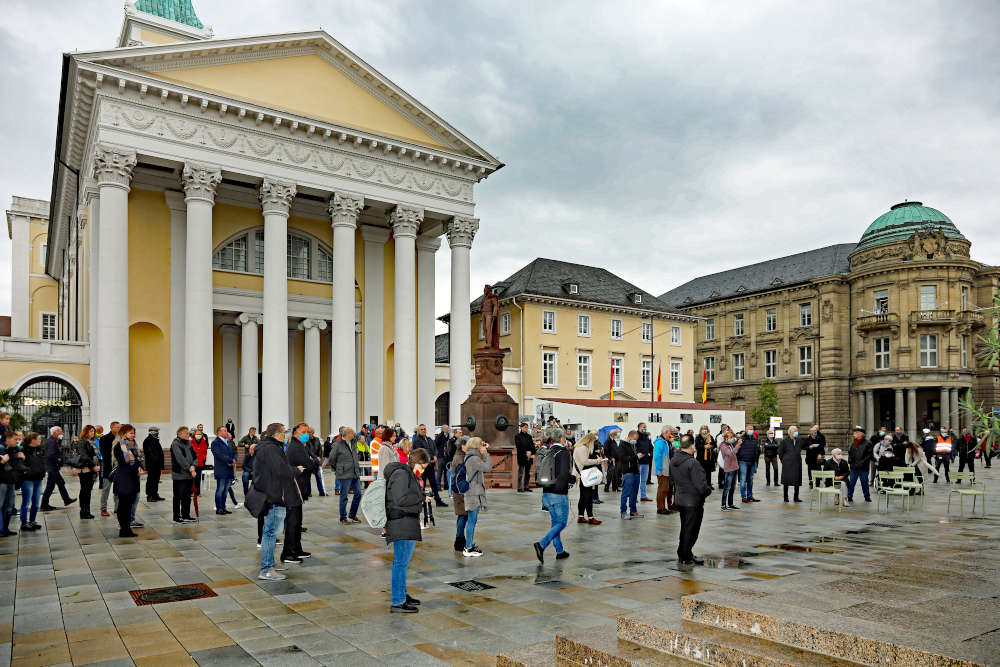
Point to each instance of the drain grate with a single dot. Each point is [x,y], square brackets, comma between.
[171,594]
[471,585]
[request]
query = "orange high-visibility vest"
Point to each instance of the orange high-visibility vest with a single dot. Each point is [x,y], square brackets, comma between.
[376,445]
[943,446]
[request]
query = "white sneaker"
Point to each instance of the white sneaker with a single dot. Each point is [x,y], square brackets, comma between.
[271,575]
[237,506]
[472,552]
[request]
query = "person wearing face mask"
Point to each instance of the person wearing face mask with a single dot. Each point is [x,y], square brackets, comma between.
[899,440]
[944,453]
[662,447]
[404,500]
[692,490]
[966,446]
[303,464]
[105,443]
[629,461]
[199,443]
[790,453]
[728,448]
[876,440]
[841,473]
[814,444]
[53,479]
[612,483]
[914,456]
[555,497]
[770,448]
[275,478]
[747,456]
[706,452]
[859,458]
[644,454]
[152,452]
[224,455]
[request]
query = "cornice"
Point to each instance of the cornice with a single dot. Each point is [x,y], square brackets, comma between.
[602,307]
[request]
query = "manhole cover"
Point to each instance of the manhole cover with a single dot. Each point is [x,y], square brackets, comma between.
[471,585]
[171,594]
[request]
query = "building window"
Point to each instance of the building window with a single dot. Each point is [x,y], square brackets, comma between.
[675,335]
[583,371]
[928,350]
[881,354]
[882,301]
[738,324]
[771,319]
[583,325]
[307,258]
[770,363]
[258,253]
[738,368]
[965,350]
[965,297]
[616,329]
[710,329]
[928,297]
[548,321]
[710,369]
[298,257]
[482,334]
[675,376]
[548,369]
[232,256]
[618,372]
[504,324]
[805,360]
[647,332]
[805,314]
[647,374]
[43,253]
[49,331]
[324,266]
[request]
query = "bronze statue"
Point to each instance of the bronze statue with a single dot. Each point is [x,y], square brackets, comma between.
[491,317]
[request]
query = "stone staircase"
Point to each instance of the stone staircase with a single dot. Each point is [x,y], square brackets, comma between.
[738,628]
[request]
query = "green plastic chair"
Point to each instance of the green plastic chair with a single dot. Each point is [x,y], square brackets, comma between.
[911,484]
[821,490]
[888,491]
[974,489]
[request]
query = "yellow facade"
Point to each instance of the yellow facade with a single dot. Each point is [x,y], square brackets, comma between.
[155,37]
[43,291]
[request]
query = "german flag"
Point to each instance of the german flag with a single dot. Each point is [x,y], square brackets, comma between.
[704,386]
[659,386]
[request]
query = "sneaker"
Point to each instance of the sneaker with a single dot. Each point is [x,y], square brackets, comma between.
[187,519]
[271,575]
[732,507]
[292,559]
[237,506]
[105,513]
[137,524]
[562,556]
[258,545]
[304,554]
[725,509]
[472,552]
[355,520]
[345,522]
[412,600]
[598,501]
[594,522]
[405,608]
[664,511]
[539,552]
[637,516]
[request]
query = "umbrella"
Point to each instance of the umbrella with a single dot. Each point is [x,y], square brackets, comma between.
[605,431]
[195,498]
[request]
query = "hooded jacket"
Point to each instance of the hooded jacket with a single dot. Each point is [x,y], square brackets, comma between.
[562,469]
[273,476]
[182,457]
[690,486]
[404,500]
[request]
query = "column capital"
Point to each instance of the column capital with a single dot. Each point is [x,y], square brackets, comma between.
[344,209]
[312,324]
[276,196]
[247,318]
[200,181]
[428,243]
[405,221]
[461,231]
[373,234]
[113,165]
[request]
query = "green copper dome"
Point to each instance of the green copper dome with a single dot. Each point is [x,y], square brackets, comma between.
[175,10]
[901,221]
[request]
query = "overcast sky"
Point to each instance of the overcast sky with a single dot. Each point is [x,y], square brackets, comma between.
[659,140]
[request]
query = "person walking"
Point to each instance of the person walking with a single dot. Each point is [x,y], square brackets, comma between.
[583,458]
[347,473]
[859,458]
[105,444]
[183,471]
[644,454]
[790,453]
[555,498]
[404,501]
[628,459]
[53,462]
[477,463]
[524,443]
[747,456]
[224,470]
[31,479]
[90,468]
[691,490]
[126,478]
[153,459]
[274,478]
[814,445]
[770,449]
[915,457]
[707,453]
[662,447]
[728,448]
[966,449]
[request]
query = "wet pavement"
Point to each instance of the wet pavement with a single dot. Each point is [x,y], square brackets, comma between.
[64,590]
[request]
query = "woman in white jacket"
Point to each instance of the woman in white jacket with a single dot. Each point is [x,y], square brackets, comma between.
[915,457]
[583,457]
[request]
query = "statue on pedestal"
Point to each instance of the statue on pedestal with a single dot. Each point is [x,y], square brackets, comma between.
[491,317]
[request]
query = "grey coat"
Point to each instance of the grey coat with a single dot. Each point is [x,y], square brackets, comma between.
[182,457]
[790,453]
[344,460]
[475,471]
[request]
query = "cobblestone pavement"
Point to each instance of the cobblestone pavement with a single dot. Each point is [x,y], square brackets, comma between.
[65,589]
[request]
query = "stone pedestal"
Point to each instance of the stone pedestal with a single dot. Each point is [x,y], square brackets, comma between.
[495,415]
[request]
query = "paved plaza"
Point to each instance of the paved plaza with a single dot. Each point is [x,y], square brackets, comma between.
[65,596]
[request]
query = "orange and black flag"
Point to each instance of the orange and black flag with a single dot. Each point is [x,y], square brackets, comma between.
[612,382]
[704,386]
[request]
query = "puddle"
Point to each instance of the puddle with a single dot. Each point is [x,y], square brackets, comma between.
[766,575]
[799,547]
[727,562]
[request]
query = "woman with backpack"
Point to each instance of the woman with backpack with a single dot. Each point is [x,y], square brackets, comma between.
[472,471]
[404,501]
[582,460]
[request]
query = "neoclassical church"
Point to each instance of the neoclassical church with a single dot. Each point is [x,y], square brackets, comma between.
[240,228]
[881,332]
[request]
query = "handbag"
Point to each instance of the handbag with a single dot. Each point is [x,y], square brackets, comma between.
[256,502]
[590,477]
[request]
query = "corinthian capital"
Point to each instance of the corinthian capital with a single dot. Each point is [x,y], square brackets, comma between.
[113,165]
[200,182]
[276,196]
[405,221]
[344,209]
[461,231]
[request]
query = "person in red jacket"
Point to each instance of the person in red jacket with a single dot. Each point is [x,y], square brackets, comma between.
[200,445]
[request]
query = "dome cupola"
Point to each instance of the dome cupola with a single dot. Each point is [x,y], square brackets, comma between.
[903,220]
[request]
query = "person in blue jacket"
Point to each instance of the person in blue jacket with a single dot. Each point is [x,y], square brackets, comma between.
[224,455]
[661,467]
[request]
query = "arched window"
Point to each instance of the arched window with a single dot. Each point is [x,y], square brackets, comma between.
[308,258]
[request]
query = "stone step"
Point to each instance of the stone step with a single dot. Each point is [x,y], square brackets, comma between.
[602,647]
[825,633]
[542,654]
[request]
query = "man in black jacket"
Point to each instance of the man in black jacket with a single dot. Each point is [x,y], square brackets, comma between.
[628,463]
[105,444]
[644,452]
[275,478]
[53,479]
[814,445]
[613,481]
[859,458]
[525,446]
[422,441]
[440,451]
[304,464]
[152,451]
[555,498]
[690,492]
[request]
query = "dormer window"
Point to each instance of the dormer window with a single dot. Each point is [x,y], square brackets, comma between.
[635,298]
[571,288]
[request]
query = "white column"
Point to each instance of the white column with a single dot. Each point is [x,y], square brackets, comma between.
[200,182]
[178,280]
[911,414]
[955,416]
[861,410]
[344,209]
[900,419]
[869,411]
[20,256]
[113,171]
[374,307]
[426,247]
[311,410]
[276,199]
[405,221]
[248,371]
[293,339]
[71,288]
[230,372]
[945,409]
[93,311]
[461,232]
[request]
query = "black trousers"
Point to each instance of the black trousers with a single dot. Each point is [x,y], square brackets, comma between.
[431,476]
[943,461]
[796,487]
[586,502]
[152,484]
[966,460]
[293,533]
[182,498]
[523,476]
[86,486]
[690,527]
[124,513]
[54,479]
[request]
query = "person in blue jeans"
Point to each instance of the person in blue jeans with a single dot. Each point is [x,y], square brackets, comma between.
[644,452]
[859,459]
[9,451]
[555,499]
[31,482]
[729,447]
[628,464]
[273,477]
[404,502]
[748,455]
[347,472]
[224,453]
